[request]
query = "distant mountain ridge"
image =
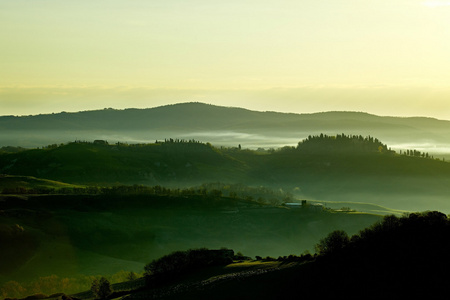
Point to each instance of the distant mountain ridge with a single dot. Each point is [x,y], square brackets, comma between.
[184,113]
[203,122]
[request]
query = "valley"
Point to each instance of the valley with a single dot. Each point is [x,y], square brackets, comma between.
[83,209]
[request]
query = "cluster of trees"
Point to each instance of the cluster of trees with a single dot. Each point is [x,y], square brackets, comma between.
[333,243]
[52,146]
[417,233]
[290,258]
[53,284]
[105,142]
[259,194]
[322,142]
[396,258]
[179,141]
[342,143]
[101,288]
[212,191]
[181,262]
[21,190]
[90,190]
[416,153]
[167,142]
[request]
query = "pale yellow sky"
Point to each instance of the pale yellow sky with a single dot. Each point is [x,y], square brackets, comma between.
[388,57]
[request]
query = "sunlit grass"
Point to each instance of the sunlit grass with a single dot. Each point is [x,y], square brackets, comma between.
[251,264]
[30,183]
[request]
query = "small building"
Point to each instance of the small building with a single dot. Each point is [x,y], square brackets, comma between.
[306,205]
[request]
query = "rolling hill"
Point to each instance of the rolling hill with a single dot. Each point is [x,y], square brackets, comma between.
[67,209]
[396,257]
[352,169]
[10,184]
[71,235]
[219,125]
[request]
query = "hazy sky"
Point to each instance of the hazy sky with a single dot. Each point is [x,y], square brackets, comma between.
[387,57]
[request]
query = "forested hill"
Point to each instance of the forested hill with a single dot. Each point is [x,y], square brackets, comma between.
[188,116]
[187,162]
[322,167]
[220,124]
[342,143]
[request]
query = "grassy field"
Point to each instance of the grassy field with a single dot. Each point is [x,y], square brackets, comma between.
[16,183]
[93,224]
[91,235]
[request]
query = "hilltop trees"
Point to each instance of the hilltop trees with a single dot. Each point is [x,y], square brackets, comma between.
[342,143]
[101,288]
[180,262]
[395,258]
[413,235]
[417,153]
[333,243]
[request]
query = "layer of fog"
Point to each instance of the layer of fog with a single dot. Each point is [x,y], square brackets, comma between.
[384,203]
[267,140]
[216,138]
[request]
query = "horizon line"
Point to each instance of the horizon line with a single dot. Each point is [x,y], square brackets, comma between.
[221,106]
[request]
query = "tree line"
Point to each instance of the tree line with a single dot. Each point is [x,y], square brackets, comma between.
[426,230]
[211,191]
[416,153]
[53,284]
[342,142]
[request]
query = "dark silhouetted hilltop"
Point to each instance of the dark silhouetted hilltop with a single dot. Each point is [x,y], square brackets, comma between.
[397,258]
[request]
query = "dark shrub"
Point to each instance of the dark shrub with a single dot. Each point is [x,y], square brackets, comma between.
[183,261]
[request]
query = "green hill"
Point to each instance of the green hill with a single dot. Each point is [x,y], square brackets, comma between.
[399,258]
[72,235]
[396,257]
[91,163]
[327,168]
[12,184]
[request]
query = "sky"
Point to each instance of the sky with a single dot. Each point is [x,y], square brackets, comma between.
[386,57]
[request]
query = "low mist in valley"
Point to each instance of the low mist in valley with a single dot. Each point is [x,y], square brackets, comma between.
[217,150]
[85,200]
[220,126]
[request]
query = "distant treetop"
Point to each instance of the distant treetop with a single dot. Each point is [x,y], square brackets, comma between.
[342,143]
